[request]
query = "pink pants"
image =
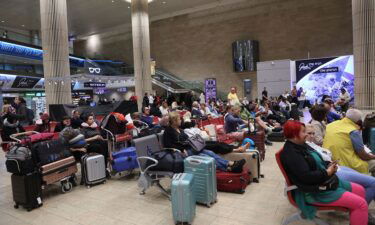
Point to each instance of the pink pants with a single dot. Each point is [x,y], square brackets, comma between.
[355,201]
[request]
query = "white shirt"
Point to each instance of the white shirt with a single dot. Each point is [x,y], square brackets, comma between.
[151,99]
[202,98]
[345,96]
[325,153]
[194,130]
[164,111]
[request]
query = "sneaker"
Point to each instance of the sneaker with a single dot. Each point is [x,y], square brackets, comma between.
[238,166]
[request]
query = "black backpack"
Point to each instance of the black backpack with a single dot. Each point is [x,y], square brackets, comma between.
[29,114]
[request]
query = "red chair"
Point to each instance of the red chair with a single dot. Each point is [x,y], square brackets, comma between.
[29,128]
[289,187]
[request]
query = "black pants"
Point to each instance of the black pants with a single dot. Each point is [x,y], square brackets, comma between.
[218,147]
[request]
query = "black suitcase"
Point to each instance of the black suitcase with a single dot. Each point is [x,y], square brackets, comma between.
[27,191]
[276,137]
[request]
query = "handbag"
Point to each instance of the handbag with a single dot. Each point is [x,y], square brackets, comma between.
[197,143]
[331,184]
[168,160]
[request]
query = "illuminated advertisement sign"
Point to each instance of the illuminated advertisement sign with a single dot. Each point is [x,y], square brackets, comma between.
[326,76]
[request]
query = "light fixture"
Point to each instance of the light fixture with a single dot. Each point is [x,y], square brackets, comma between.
[164,2]
[23,25]
[3,21]
[113,1]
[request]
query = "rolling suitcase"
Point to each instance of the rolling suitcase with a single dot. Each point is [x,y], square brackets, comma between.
[125,159]
[252,158]
[93,169]
[233,182]
[27,190]
[60,171]
[204,171]
[183,198]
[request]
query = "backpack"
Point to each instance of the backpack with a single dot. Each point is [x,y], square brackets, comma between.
[29,114]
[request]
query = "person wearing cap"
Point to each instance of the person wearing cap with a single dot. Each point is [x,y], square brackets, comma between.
[65,122]
[344,139]
[331,115]
[43,124]
[232,97]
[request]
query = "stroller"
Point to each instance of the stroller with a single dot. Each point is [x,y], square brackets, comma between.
[122,157]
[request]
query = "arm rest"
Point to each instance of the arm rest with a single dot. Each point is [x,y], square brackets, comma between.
[289,188]
[174,149]
[146,158]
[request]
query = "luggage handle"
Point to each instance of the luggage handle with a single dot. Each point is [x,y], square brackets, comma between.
[63,170]
[14,136]
[194,161]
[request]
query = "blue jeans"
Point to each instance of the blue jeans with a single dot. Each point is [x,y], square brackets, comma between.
[221,164]
[368,182]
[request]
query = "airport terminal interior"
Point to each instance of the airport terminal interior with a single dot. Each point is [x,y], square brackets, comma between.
[257,112]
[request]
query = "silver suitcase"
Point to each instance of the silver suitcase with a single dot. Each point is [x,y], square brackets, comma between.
[93,169]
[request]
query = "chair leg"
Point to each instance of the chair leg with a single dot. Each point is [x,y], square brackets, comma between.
[163,191]
[318,221]
[293,218]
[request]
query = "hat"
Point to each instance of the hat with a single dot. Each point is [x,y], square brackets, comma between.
[45,116]
[328,100]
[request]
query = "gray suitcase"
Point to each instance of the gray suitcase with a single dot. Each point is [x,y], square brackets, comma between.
[93,169]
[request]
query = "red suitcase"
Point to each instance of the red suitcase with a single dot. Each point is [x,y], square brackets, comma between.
[259,139]
[233,182]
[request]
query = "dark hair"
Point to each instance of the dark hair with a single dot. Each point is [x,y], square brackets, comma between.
[187,125]
[65,118]
[319,112]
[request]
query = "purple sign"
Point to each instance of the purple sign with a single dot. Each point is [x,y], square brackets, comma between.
[210,89]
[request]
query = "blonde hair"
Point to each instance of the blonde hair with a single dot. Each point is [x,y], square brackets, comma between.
[173,118]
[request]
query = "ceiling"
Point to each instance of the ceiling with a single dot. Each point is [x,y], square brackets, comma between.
[86,17]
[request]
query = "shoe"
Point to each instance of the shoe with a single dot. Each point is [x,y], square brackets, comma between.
[238,166]
[267,142]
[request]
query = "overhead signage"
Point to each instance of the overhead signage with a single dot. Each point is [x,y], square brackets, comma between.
[328,70]
[94,70]
[7,48]
[25,82]
[210,89]
[306,66]
[94,85]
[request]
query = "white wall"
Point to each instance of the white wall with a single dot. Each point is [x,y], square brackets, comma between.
[275,75]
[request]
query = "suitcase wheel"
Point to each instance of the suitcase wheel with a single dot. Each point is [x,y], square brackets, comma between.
[16,206]
[208,205]
[29,209]
[262,175]
[88,186]
[66,186]
[240,191]
[256,180]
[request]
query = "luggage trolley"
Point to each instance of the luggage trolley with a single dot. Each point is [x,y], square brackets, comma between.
[59,171]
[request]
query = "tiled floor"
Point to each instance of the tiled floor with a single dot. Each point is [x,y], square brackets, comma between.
[118,202]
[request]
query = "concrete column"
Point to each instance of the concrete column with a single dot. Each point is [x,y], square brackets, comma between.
[141,49]
[54,28]
[363,12]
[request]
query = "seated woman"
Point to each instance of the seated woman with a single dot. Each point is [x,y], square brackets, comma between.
[195,110]
[65,122]
[174,137]
[93,138]
[344,173]
[307,170]
[319,114]
[191,129]
[43,124]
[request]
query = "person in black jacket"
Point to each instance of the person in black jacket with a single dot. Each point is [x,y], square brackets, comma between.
[96,142]
[174,137]
[308,171]
[76,120]
[11,125]
[65,122]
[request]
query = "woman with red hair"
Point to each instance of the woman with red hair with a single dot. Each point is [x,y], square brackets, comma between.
[316,181]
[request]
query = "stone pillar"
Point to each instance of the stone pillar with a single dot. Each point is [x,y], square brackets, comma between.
[141,49]
[364,53]
[54,28]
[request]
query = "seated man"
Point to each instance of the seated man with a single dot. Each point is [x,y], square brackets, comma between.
[147,118]
[344,139]
[331,115]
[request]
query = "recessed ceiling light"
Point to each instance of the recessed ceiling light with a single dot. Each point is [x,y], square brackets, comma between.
[113,1]
[23,25]
[128,7]
[3,21]
[164,2]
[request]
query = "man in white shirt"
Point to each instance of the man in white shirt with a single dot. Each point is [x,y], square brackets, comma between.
[151,99]
[344,100]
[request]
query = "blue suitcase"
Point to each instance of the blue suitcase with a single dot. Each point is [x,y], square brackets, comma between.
[204,170]
[371,139]
[125,159]
[183,198]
